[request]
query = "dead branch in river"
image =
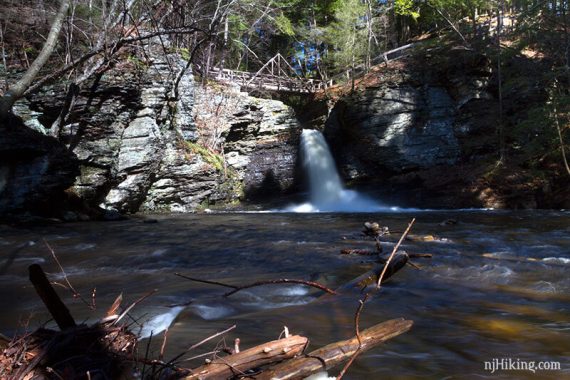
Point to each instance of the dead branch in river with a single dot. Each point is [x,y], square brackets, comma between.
[111,350]
[51,300]
[236,364]
[367,252]
[278,359]
[362,301]
[259,283]
[335,353]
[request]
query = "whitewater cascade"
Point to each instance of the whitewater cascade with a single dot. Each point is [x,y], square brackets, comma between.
[327,192]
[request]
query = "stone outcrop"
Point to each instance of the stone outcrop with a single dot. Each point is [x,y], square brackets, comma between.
[138,146]
[260,144]
[417,116]
[414,128]
[130,141]
[395,129]
[423,132]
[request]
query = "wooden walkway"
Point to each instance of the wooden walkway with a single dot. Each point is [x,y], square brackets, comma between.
[278,75]
[268,82]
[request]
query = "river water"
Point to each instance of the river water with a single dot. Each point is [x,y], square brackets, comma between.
[498,285]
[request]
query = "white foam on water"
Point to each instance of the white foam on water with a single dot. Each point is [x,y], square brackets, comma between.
[346,201]
[545,287]
[212,312]
[267,304]
[271,297]
[71,271]
[485,274]
[83,246]
[561,260]
[291,291]
[159,323]
[159,252]
[25,259]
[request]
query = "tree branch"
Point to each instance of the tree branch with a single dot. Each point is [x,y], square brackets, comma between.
[17,90]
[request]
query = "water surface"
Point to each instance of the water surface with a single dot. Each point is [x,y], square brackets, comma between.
[496,287]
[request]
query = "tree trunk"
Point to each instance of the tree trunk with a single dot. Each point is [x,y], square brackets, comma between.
[17,90]
[501,131]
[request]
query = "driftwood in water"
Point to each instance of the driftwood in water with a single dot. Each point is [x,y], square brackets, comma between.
[335,353]
[259,283]
[71,353]
[374,229]
[371,277]
[236,364]
[56,307]
[359,252]
[420,255]
[367,252]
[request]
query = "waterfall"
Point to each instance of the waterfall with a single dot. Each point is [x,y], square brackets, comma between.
[324,182]
[327,192]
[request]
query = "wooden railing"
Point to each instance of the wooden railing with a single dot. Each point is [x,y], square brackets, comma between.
[278,75]
[270,82]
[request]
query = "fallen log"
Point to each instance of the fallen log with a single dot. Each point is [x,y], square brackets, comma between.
[264,354]
[51,300]
[359,252]
[333,354]
[367,252]
[420,255]
[371,277]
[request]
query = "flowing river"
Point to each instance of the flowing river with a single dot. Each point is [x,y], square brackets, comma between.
[497,286]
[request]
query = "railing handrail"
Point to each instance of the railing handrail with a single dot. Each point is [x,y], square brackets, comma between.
[283,80]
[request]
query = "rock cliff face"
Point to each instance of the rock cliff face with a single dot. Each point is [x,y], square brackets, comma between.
[415,128]
[139,147]
[395,129]
[129,142]
[261,145]
[423,132]
[409,120]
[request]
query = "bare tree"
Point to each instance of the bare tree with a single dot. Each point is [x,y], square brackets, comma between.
[193,25]
[17,90]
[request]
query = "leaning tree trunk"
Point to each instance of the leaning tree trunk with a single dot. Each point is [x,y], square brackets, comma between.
[16,91]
